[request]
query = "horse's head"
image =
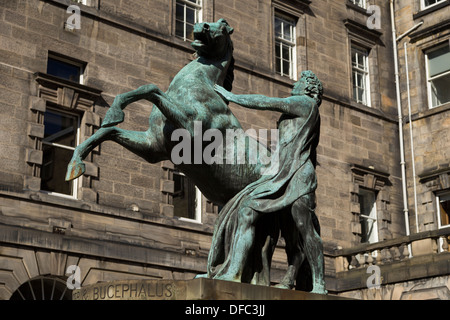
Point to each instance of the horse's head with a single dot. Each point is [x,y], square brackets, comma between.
[212,40]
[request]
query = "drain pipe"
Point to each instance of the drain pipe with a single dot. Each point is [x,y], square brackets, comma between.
[395,40]
[400,120]
[411,137]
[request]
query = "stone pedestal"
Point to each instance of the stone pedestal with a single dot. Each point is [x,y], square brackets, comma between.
[196,289]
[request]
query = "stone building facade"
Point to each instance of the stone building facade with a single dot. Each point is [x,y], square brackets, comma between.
[128,219]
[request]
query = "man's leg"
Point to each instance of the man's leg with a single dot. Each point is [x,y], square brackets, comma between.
[294,254]
[304,215]
[241,246]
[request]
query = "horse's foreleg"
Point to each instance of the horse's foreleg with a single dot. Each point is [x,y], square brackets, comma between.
[135,141]
[115,115]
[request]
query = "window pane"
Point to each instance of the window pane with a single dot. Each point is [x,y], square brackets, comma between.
[367,229]
[287,31]
[278,65]
[353,58]
[439,61]
[53,172]
[190,15]
[368,216]
[277,50]
[183,197]
[431,2]
[444,209]
[440,92]
[277,27]
[63,70]
[60,128]
[189,31]
[286,68]
[179,12]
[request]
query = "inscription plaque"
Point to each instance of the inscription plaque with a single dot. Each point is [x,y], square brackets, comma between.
[195,289]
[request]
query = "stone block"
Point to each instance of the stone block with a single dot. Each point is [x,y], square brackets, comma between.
[384,215]
[167,186]
[37,104]
[422,247]
[91,169]
[36,130]
[426,197]
[33,156]
[356,227]
[92,119]
[89,195]
[166,209]
[32,183]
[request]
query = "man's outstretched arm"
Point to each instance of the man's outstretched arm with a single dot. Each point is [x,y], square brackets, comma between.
[295,105]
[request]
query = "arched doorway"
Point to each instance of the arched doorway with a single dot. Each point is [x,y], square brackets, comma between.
[43,288]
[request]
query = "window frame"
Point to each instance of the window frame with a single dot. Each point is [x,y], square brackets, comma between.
[364,72]
[423,6]
[198,8]
[197,202]
[430,79]
[363,5]
[71,62]
[373,237]
[281,41]
[446,196]
[76,182]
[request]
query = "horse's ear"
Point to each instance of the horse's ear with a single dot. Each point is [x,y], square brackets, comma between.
[227,26]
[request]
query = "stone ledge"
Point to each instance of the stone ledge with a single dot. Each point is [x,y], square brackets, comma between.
[195,289]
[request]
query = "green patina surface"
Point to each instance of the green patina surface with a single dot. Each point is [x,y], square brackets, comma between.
[257,204]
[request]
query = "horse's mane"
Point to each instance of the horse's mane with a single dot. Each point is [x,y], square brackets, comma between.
[228,82]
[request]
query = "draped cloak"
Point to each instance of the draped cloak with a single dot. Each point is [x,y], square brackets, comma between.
[268,197]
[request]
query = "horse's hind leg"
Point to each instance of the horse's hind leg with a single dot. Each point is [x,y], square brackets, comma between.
[135,141]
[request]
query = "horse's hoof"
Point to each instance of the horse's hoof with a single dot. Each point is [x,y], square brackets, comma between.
[74,170]
[113,117]
[283,286]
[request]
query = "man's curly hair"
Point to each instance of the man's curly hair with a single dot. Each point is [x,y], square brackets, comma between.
[314,87]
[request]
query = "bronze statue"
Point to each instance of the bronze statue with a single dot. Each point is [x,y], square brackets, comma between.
[258,202]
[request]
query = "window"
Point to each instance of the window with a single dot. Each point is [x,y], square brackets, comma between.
[285,43]
[443,209]
[360,75]
[425,4]
[186,198]
[368,216]
[58,144]
[360,3]
[43,288]
[188,13]
[65,69]
[438,75]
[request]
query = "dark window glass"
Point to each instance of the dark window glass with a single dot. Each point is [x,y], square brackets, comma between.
[63,70]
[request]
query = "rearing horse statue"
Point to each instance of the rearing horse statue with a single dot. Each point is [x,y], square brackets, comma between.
[189,99]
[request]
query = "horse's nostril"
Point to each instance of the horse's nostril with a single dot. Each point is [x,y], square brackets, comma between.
[206,27]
